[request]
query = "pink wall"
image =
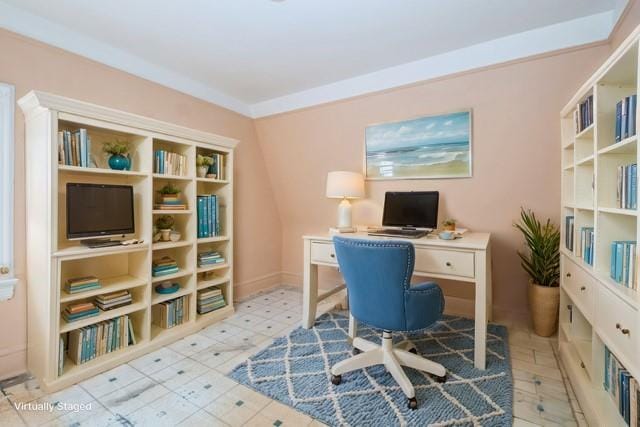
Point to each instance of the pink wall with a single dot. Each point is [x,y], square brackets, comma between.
[28,65]
[516,152]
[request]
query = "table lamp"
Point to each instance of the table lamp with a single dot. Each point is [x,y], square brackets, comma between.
[345,185]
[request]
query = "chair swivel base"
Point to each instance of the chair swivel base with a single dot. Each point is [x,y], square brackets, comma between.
[393,358]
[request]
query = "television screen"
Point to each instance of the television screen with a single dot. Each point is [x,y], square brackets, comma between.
[418,209]
[99,210]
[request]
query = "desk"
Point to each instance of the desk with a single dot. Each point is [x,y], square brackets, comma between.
[467,259]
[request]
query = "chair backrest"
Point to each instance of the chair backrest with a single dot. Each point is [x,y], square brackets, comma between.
[377,274]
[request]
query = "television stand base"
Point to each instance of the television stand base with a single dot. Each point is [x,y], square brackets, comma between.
[101,243]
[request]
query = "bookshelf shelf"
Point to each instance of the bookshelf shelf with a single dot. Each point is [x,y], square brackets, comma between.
[49,120]
[179,274]
[586,132]
[172,177]
[213,282]
[220,313]
[594,307]
[158,298]
[104,315]
[212,268]
[99,171]
[111,284]
[158,246]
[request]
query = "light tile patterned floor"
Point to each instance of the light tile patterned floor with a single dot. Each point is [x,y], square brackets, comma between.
[185,384]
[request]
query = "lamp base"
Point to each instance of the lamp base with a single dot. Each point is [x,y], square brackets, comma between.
[338,230]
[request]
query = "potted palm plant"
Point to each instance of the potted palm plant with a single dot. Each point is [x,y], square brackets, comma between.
[541,261]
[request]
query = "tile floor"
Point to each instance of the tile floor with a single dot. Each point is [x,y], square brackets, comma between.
[189,378]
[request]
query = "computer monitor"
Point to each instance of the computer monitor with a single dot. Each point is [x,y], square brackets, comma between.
[411,209]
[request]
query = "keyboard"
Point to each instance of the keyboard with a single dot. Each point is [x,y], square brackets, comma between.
[395,232]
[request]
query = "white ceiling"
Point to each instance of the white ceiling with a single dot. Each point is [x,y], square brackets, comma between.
[260,57]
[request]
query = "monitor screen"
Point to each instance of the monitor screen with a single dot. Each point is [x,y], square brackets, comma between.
[96,210]
[417,209]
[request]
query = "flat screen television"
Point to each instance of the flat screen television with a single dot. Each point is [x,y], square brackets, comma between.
[411,209]
[99,210]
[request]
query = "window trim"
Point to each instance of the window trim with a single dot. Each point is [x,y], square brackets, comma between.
[7,183]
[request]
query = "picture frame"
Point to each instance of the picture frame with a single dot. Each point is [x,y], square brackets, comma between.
[437,146]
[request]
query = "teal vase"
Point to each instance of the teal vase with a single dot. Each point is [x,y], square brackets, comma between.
[118,162]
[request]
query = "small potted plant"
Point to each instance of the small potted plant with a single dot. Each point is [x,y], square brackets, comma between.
[541,261]
[117,150]
[170,194]
[449,224]
[165,225]
[202,164]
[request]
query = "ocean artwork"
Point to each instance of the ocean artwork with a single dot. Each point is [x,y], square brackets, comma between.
[427,147]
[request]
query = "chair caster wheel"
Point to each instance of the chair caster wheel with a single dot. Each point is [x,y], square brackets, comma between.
[413,350]
[442,379]
[413,403]
[355,352]
[336,379]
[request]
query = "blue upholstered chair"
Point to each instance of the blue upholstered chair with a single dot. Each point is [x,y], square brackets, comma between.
[378,274]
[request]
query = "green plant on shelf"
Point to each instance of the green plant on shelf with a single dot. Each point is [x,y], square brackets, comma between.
[116,148]
[202,161]
[165,222]
[169,190]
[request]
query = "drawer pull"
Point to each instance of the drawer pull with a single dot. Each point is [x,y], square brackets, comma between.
[568,274]
[448,264]
[625,331]
[332,255]
[582,365]
[583,288]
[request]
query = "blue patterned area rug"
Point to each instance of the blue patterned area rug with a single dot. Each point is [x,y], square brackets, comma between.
[296,371]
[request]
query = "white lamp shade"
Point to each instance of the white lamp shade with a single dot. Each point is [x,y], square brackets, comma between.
[345,185]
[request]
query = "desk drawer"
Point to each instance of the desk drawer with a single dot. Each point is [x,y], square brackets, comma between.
[618,323]
[323,252]
[440,261]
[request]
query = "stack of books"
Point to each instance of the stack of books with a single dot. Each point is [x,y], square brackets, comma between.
[209,300]
[164,266]
[623,389]
[626,118]
[82,284]
[83,310]
[114,300]
[167,163]
[583,115]
[587,244]
[208,218]
[568,230]
[623,263]
[101,338]
[217,167]
[171,313]
[171,203]
[209,258]
[74,148]
[627,194]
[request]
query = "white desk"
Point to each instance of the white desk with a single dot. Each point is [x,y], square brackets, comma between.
[467,259]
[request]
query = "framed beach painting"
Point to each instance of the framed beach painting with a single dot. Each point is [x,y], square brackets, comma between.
[427,147]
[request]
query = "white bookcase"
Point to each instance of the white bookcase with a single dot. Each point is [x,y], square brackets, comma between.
[596,311]
[52,259]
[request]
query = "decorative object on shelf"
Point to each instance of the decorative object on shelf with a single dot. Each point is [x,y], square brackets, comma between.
[202,164]
[449,224]
[447,235]
[118,150]
[165,225]
[170,198]
[426,147]
[114,300]
[542,262]
[79,311]
[164,266]
[175,236]
[167,288]
[217,167]
[344,185]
